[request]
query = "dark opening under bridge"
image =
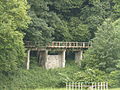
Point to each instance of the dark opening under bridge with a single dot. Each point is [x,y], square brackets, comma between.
[58,60]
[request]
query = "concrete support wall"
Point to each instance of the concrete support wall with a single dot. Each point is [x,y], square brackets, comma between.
[52,61]
[63,61]
[28,60]
[78,56]
[43,58]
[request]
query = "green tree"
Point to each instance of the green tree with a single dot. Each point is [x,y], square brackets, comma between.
[78,30]
[68,20]
[40,29]
[105,52]
[13,17]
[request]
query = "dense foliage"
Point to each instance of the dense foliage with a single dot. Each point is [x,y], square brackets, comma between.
[59,20]
[105,52]
[38,77]
[13,16]
[68,20]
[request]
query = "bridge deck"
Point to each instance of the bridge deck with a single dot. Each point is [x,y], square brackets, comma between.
[68,45]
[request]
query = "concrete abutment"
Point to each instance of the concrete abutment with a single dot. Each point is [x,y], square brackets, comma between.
[78,57]
[55,61]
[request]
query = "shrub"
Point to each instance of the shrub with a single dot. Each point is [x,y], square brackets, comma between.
[114,79]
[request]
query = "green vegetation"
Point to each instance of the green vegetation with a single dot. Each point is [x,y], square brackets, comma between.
[105,53]
[43,21]
[13,16]
[65,89]
[38,77]
[115,89]
[52,89]
[68,20]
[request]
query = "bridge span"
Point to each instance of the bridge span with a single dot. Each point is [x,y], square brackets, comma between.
[47,60]
[56,44]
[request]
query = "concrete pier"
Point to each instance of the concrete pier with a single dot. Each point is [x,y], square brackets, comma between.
[28,60]
[42,58]
[78,56]
[55,61]
[63,61]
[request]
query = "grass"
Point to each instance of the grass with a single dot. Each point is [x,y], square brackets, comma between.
[65,89]
[52,89]
[38,78]
[115,89]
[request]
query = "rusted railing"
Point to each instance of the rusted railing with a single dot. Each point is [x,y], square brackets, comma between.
[69,45]
[61,44]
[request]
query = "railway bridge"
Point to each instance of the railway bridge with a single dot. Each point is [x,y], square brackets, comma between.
[57,60]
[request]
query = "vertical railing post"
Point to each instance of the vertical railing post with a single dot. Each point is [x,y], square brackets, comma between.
[28,59]
[101,85]
[69,86]
[92,85]
[78,85]
[72,85]
[81,85]
[83,44]
[98,85]
[66,85]
[106,85]
[52,44]
[95,85]
[58,44]
[77,44]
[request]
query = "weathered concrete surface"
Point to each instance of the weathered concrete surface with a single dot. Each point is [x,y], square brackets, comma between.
[78,56]
[28,60]
[55,61]
[63,61]
[43,58]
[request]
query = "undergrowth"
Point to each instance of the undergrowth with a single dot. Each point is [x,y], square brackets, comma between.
[38,77]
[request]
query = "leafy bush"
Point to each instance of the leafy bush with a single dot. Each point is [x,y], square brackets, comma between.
[114,79]
[105,52]
[38,77]
[88,75]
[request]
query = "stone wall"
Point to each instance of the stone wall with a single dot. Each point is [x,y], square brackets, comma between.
[53,61]
[78,57]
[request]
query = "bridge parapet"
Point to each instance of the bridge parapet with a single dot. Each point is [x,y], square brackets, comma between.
[56,44]
[69,45]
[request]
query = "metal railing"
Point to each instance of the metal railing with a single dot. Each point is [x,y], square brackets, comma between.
[69,45]
[87,86]
[61,44]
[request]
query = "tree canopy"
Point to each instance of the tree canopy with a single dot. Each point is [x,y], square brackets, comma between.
[13,17]
[105,52]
